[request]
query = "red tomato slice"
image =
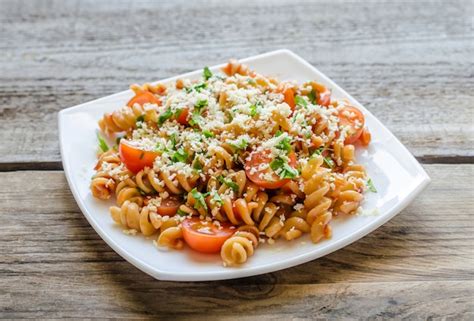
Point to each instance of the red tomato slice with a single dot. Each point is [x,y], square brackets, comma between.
[168,207]
[134,158]
[349,116]
[143,98]
[205,238]
[365,137]
[324,94]
[258,158]
[324,98]
[183,117]
[290,98]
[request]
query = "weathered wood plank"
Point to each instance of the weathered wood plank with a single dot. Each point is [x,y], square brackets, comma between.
[409,63]
[419,265]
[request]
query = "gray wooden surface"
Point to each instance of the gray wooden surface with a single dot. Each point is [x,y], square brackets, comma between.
[409,62]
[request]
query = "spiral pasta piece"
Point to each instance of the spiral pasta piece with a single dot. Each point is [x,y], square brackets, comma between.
[125,119]
[127,190]
[110,171]
[240,247]
[130,216]
[171,234]
[316,203]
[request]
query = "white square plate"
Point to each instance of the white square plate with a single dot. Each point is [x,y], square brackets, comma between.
[394,171]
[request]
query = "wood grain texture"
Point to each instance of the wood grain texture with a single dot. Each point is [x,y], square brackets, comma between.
[417,266]
[410,63]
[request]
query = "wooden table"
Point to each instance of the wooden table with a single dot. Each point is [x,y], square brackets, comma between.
[410,63]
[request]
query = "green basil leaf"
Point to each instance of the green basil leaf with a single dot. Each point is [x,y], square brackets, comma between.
[102,144]
[165,116]
[206,73]
[371,186]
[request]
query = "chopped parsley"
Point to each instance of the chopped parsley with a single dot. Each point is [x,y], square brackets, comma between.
[173,140]
[140,118]
[371,186]
[208,134]
[180,156]
[229,183]
[285,144]
[206,73]
[197,164]
[217,199]
[312,97]
[327,160]
[178,112]
[196,119]
[300,101]
[165,116]
[180,212]
[102,144]
[254,108]
[200,104]
[199,198]
[197,87]
[283,169]
[239,145]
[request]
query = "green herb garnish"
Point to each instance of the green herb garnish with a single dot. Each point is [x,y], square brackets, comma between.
[285,144]
[312,96]
[229,183]
[200,104]
[371,186]
[282,169]
[197,87]
[180,212]
[239,145]
[254,108]
[208,134]
[102,144]
[300,101]
[206,73]
[165,116]
[197,165]
[180,156]
[327,160]
[217,199]
[199,198]
[196,119]
[140,118]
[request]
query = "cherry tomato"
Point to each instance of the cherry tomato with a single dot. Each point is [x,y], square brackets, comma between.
[143,98]
[183,117]
[258,158]
[290,97]
[353,118]
[204,236]
[168,206]
[365,137]
[323,94]
[134,158]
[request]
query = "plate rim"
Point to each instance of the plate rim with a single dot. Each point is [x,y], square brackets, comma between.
[233,273]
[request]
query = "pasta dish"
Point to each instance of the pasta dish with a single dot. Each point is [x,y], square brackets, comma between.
[232,160]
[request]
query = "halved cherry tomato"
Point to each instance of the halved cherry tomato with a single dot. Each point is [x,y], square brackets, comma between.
[353,118]
[143,98]
[290,97]
[365,137]
[183,117]
[204,236]
[258,158]
[168,206]
[323,94]
[134,158]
